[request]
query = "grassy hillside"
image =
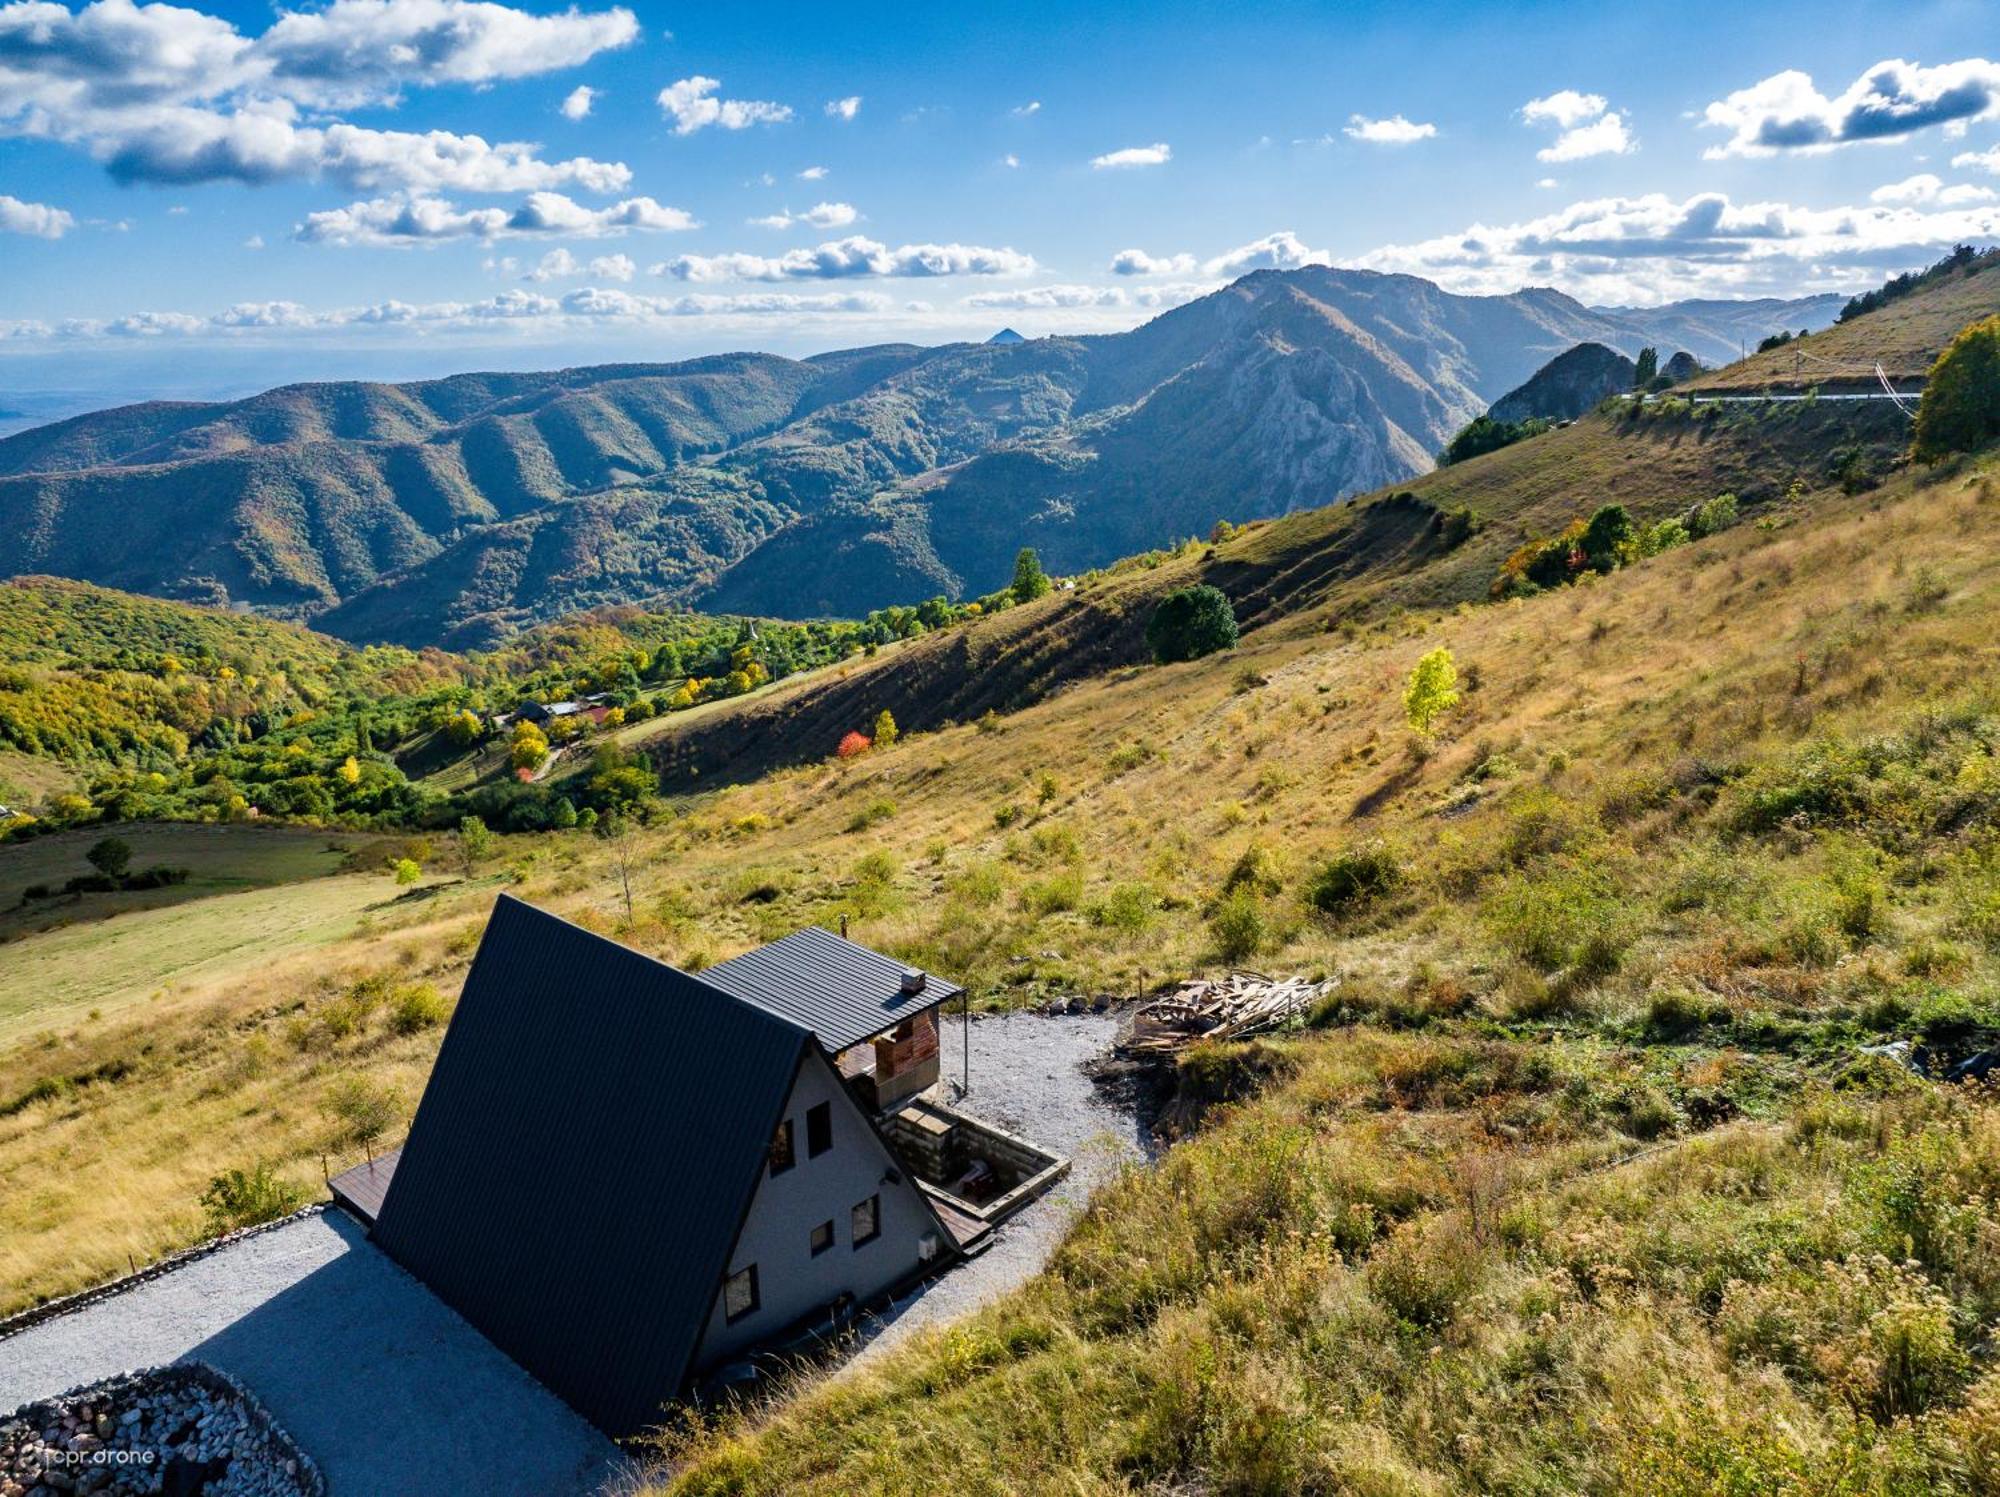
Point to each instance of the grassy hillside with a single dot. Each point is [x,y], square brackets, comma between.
[1905,335]
[1362,561]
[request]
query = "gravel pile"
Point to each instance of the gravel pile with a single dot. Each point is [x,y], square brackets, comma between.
[177,1430]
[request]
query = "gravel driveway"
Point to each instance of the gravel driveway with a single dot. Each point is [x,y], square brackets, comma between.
[1027,1076]
[386,1388]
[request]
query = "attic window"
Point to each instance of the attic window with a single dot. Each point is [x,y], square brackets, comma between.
[819,1129]
[783,1156]
[739,1294]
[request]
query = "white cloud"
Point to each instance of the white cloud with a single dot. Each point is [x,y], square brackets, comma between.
[1565,108]
[254,242]
[690,105]
[584,306]
[1655,248]
[1281,251]
[1928,188]
[1607,136]
[819,216]
[813,174]
[1138,262]
[842,259]
[1022,111]
[844,109]
[1548,183]
[168,94]
[419,219]
[1989,159]
[576,105]
[560,264]
[1892,99]
[1394,131]
[1588,125]
[1072,297]
[1157,154]
[37,220]
[1010,161]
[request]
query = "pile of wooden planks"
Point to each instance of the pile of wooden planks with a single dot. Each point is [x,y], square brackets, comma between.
[1224,1008]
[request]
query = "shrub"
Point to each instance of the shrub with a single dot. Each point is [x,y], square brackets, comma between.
[1128,908]
[1484,435]
[245,1198]
[1425,1271]
[110,857]
[1711,516]
[1062,891]
[1352,879]
[873,814]
[360,1110]
[851,745]
[1191,623]
[1258,870]
[415,1007]
[1568,918]
[1239,925]
[885,728]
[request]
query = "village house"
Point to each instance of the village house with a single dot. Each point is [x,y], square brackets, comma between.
[632,1178]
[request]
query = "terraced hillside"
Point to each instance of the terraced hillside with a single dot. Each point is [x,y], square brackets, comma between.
[456,511]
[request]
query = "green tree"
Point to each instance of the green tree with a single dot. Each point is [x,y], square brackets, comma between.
[885,728]
[1191,623]
[474,842]
[1649,368]
[562,815]
[405,871]
[1608,538]
[463,728]
[110,857]
[1960,409]
[1432,692]
[1030,581]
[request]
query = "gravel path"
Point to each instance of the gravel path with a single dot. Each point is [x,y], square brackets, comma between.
[386,1388]
[1027,1076]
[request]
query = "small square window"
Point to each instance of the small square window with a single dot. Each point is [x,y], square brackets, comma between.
[819,1129]
[783,1156]
[822,1238]
[739,1294]
[865,1221]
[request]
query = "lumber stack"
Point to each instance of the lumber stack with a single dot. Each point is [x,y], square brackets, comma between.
[1221,1008]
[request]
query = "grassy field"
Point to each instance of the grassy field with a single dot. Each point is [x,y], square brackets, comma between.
[220,859]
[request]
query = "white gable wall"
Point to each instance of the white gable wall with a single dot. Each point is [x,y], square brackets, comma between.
[776,1235]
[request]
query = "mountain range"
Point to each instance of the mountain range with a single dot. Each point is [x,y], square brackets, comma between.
[456,511]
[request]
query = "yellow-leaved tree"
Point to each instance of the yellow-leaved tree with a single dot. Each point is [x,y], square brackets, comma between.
[1432,692]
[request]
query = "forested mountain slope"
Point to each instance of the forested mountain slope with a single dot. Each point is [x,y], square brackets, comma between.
[457,510]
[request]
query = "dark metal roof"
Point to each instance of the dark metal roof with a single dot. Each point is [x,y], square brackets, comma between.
[583,1157]
[842,992]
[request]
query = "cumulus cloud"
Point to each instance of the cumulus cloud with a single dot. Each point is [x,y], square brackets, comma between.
[1281,251]
[576,104]
[1138,262]
[419,219]
[813,174]
[37,220]
[1588,126]
[1157,154]
[1989,159]
[162,93]
[1926,187]
[844,109]
[691,104]
[819,216]
[841,259]
[1394,131]
[560,264]
[1786,112]
[1655,247]
[1072,297]
[1566,108]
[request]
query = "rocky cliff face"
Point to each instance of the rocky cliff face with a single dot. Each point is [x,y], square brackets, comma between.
[1568,385]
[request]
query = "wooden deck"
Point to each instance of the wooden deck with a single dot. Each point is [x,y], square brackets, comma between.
[968,1233]
[360,1190]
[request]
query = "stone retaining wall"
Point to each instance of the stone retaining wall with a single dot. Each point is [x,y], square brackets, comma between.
[183,1429]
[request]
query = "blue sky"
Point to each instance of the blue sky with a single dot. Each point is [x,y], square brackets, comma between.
[395,187]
